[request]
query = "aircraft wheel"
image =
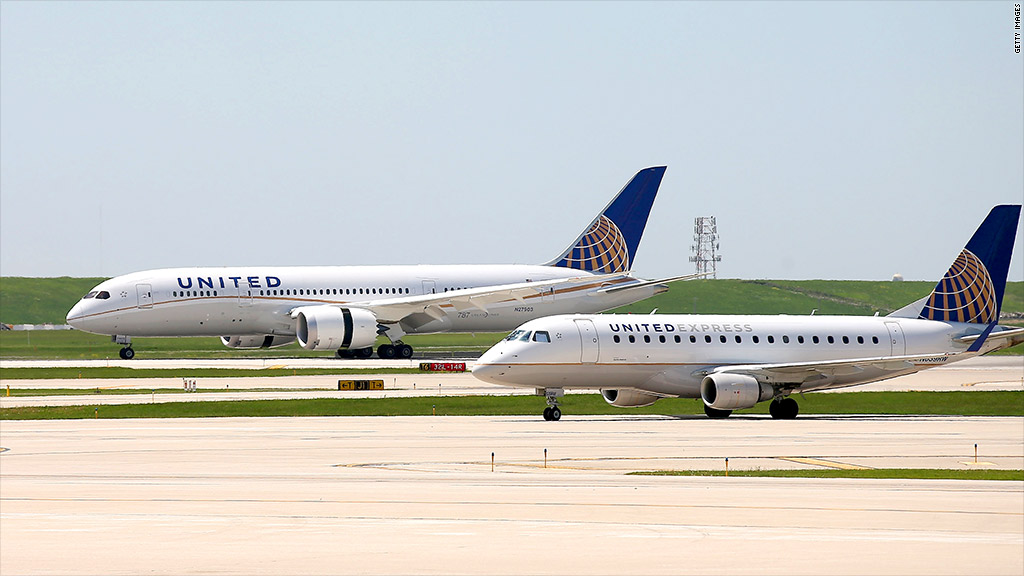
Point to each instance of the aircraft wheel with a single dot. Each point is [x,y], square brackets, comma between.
[715,413]
[404,351]
[789,408]
[126,353]
[364,353]
[556,414]
[547,413]
[386,351]
[775,409]
[343,353]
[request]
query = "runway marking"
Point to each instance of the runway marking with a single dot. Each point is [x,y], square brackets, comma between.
[825,463]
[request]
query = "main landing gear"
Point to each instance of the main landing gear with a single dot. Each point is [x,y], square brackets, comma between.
[552,412]
[784,408]
[716,413]
[397,350]
[126,353]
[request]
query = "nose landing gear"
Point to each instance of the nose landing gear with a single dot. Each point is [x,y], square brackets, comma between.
[552,413]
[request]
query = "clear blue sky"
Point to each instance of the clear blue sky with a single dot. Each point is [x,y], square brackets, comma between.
[831,140]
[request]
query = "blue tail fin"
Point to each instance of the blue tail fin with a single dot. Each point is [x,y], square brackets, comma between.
[972,289]
[609,244]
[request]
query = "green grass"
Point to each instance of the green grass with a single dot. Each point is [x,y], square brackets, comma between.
[882,473]
[47,300]
[891,403]
[88,373]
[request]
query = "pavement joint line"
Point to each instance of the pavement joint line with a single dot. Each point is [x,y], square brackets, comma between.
[824,463]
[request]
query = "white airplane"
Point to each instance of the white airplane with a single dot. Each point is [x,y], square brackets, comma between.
[734,362]
[345,308]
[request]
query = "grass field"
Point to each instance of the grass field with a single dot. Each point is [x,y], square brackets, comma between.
[1009,403]
[47,300]
[884,473]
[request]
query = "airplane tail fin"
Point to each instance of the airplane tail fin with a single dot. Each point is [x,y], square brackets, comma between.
[972,289]
[609,243]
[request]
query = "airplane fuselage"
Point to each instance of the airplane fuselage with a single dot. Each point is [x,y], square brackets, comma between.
[670,355]
[259,300]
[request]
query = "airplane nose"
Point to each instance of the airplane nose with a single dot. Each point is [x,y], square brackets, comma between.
[74,317]
[488,372]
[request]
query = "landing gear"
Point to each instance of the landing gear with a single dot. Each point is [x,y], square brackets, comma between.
[784,408]
[716,413]
[389,351]
[126,353]
[551,395]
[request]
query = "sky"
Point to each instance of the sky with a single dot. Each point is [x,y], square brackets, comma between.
[830,140]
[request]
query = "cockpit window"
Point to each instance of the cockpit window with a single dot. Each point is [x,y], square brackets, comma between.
[526,336]
[514,335]
[89,295]
[103,295]
[541,336]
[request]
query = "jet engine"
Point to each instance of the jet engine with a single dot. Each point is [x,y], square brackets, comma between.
[733,391]
[332,328]
[628,398]
[267,341]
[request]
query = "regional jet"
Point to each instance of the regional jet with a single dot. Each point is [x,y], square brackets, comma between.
[345,308]
[734,362]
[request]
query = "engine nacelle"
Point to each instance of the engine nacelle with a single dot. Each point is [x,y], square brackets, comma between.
[332,328]
[628,398]
[733,391]
[267,341]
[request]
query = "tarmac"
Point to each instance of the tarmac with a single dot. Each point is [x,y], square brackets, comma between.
[505,495]
[418,495]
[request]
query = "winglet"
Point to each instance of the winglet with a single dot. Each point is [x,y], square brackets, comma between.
[972,289]
[609,243]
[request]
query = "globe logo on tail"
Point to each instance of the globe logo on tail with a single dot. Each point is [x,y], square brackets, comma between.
[602,248]
[965,294]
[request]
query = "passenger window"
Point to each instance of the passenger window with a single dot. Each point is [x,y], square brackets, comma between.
[874,339]
[739,340]
[707,339]
[771,339]
[721,339]
[541,336]
[632,339]
[846,339]
[831,340]
[785,339]
[693,339]
[662,339]
[678,339]
[616,338]
[860,339]
[800,339]
[755,339]
[815,339]
[647,339]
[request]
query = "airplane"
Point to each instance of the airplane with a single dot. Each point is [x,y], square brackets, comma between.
[345,308]
[732,362]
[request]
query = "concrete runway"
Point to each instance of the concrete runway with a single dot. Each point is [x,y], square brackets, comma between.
[418,496]
[989,373]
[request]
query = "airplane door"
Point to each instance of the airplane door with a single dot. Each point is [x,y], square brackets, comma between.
[588,337]
[429,287]
[145,292]
[899,344]
[244,295]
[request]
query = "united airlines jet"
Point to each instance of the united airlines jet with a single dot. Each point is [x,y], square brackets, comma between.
[734,362]
[345,308]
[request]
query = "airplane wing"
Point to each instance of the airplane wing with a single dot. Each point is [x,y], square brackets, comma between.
[393,310]
[643,283]
[843,372]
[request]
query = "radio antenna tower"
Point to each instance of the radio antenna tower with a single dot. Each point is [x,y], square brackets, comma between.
[705,248]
